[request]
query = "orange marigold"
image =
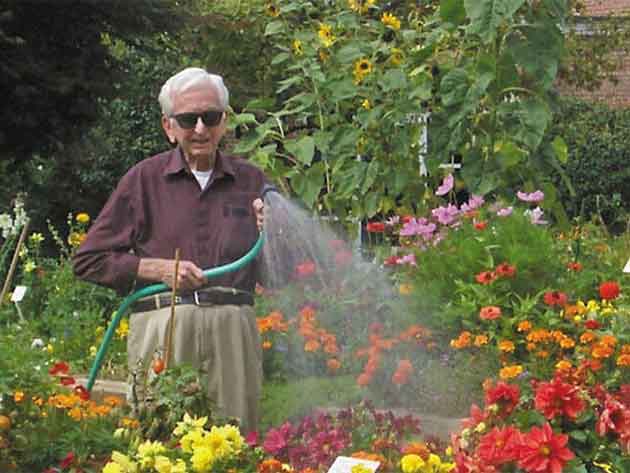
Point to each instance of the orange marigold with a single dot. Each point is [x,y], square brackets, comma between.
[510,372]
[270,465]
[524,326]
[587,337]
[506,346]
[623,360]
[481,340]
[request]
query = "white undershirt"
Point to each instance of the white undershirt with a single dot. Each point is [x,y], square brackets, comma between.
[202,177]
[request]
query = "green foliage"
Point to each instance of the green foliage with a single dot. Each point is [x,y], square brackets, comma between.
[598,148]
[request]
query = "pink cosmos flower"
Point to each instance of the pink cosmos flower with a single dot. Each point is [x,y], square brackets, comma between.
[505,212]
[446,186]
[537,196]
[446,215]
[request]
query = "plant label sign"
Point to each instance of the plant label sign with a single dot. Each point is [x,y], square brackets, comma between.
[345,465]
[626,268]
[18,293]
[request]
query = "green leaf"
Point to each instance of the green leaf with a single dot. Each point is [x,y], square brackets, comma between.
[280,58]
[341,89]
[392,80]
[308,184]
[452,11]
[303,149]
[349,54]
[243,118]
[453,87]
[560,149]
[508,153]
[486,16]
[370,175]
[537,49]
[274,27]
[371,203]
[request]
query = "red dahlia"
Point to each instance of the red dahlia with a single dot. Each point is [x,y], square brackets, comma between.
[542,451]
[557,398]
[609,290]
[555,298]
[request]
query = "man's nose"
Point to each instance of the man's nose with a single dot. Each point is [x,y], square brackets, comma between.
[200,126]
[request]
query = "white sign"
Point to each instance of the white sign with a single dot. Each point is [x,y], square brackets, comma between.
[18,293]
[626,268]
[345,464]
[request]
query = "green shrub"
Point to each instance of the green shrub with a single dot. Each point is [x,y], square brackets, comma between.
[598,141]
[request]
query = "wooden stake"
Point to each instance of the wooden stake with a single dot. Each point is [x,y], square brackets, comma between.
[7,281]
[171,323]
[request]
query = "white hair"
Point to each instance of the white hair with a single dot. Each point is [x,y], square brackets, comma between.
[187,79]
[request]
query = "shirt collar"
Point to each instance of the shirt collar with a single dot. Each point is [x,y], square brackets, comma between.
[177,163]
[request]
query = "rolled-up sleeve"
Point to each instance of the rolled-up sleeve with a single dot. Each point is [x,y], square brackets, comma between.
[105,256]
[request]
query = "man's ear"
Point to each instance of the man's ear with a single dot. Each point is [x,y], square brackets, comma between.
[167,126]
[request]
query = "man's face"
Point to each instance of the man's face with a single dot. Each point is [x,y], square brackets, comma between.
[199,143]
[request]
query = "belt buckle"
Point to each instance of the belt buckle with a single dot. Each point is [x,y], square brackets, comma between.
[198,302]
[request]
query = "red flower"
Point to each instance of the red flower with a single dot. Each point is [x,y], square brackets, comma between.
[499,445]
[67,461]
[557,398]
[505,395]
[615,417]
[555,298]
[574,266]
[609,290]
[391,260]
[305,269]
[592,324]
[541,451]
[481,225]
[486,277]
[505,270]
[375,227]
[251,439]
[67,380]
[60,367]
[82,392]
[490,312]
[406,218]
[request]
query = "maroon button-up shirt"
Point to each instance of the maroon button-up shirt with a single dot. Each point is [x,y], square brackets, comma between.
[158,206]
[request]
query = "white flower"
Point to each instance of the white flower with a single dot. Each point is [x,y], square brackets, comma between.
[37,343]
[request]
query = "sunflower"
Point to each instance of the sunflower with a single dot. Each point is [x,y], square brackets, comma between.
[272,10]
[391,21]
[361,6]
[362,68]
[325,35]
[298,50]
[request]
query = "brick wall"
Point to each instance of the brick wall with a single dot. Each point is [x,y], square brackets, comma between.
[616,95]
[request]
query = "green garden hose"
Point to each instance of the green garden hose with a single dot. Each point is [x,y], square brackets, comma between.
[156,289]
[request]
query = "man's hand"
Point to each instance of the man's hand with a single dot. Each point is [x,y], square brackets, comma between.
[189,275]
[259,211]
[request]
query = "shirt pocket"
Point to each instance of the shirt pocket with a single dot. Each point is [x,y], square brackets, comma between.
[239,232]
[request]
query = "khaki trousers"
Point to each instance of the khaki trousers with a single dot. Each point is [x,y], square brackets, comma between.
[221,341]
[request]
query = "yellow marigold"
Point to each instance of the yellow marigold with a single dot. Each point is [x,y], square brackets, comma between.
[391,21]
[298,50]
[362,68]
[510,372]
[396,56]
[82,217]
[76,238]
[76,413]
[524,326]
[412,463]
[129,423]
[623,360]
[123,329]
[481,340]
[506,346]
[366,105]
[272,10]
[360,6]
[563,365]
[326,35]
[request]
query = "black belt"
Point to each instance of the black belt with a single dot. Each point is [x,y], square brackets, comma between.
[199,298]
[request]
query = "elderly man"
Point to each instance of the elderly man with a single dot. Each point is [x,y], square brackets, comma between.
[206,204]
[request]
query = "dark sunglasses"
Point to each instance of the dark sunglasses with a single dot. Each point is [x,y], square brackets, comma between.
[188,120]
